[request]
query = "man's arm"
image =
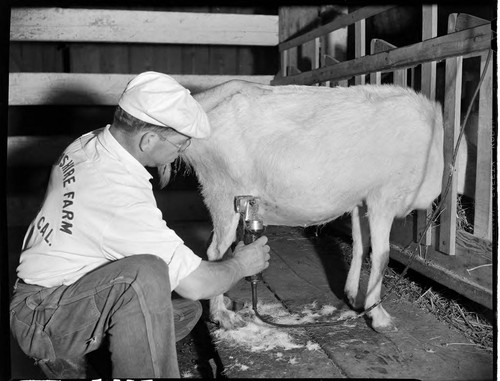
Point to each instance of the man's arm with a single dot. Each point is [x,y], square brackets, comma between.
[214,278]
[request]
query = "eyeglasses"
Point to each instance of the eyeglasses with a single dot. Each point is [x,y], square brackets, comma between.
[180,147]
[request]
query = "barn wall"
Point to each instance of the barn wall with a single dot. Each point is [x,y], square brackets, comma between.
[131,58]
[121,58]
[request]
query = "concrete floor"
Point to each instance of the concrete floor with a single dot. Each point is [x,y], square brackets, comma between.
[305,268]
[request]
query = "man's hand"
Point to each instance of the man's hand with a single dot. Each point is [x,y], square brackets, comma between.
[215,278]
[252,258]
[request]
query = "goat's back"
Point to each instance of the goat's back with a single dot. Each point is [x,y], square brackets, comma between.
[313,153]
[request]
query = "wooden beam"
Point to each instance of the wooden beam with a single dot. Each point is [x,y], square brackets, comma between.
[95,89]
[126,26]
[460,43]
[338,23]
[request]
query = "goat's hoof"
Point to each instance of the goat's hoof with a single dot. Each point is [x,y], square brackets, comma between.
[354,302]
[385,329]
[228,319]
[381,321]
[387,326]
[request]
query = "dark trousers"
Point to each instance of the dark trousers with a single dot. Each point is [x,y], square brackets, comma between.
[128,301]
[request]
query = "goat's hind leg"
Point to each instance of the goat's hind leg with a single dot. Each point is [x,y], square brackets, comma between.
[380,228]
[360,247]
[223,237]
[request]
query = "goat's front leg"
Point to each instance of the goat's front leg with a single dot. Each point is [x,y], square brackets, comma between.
[223,237]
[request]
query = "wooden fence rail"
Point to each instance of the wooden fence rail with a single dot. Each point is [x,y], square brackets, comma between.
[96,89]
[153,27]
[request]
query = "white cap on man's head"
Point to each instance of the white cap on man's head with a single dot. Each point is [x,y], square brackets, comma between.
[159,99]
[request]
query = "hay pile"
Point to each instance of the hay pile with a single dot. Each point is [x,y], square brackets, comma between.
[457,312]
[473,321]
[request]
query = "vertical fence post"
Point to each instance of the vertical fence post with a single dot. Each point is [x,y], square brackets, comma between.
[284,62]
[316,59]
[453,95]
[376,76]
[428,87]
[360,47]
[335,44]
[483,187]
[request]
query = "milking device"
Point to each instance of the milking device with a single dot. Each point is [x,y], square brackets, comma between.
[250,228]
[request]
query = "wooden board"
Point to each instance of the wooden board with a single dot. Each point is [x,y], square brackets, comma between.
[132,26]
[483,220]
[34,57]
[460,43]
[95,89]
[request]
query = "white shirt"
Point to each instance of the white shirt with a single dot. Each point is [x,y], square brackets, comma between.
[99,207]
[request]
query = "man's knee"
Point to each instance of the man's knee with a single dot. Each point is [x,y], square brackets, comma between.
[147,266]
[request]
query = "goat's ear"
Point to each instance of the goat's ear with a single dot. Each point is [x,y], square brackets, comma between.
[147,141]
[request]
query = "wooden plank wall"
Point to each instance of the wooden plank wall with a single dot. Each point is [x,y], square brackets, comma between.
[207,57]
[69,65]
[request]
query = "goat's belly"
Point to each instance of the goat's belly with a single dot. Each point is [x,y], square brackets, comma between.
[303,212]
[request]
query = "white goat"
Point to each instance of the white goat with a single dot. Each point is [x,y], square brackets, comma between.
[312,154]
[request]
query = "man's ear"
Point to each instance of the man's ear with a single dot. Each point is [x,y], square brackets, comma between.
[147,141]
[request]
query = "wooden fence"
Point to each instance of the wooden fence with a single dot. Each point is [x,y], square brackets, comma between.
[469,271]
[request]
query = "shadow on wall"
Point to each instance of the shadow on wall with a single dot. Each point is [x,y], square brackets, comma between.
[64,113]
[41,133]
